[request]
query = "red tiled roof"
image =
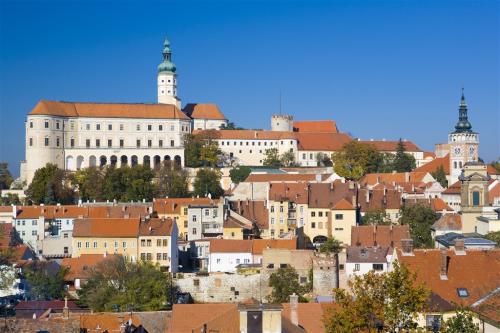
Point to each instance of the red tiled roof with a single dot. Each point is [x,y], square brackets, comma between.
[258,245]
[489,308]
[283,177]
[188,318]
[80,267]
[494,193]
[437,204]
[45,305]
[106,227]
[296,192]
[396,177]
[5,209]
[251,135]
[448,222]
[107,322]
[72,211]
[203,111]
[477,271]
[321,141]
[107,110]
[433,165]
[315,126]
[391,146]
[454,188]
[327,195]
[343,204]
[255,211]
[174,205]
[491,170]
[156,227]
[377,199]
[230,245]
[381,235]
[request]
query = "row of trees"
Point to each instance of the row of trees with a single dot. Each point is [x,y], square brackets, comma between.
[356,159]
[52,185]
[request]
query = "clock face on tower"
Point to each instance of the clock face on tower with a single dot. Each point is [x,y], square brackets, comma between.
[457,151]
[472,150]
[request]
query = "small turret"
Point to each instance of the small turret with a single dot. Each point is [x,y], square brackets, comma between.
[282,123]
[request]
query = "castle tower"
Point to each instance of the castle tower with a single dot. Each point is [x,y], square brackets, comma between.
[283,123]
[167,78]
[463,143]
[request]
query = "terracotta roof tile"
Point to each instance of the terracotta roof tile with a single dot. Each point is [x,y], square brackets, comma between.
[230,245]
[379,199]
[343,204]
[107,227]
[437,204]
[494,193]
[203,111]
[382,235]
[327,195]
[477,271]
[45,305]
[5,209]
[283,177]
[251,135]
[258,245]
[389,178]
[448,222]
[231,222]
[80,267]
[433,165]
[108,110]
[72,211]
[367,254]
[110,322]
[309,315]
[489,308]
[174,205]
[296,192]
[391,146]
[255,211]
[188,318]
[455,188]
[315,126]
[321,141]
[156,227]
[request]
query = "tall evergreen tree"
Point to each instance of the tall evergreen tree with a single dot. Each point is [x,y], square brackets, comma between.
[403,162]
[5,176]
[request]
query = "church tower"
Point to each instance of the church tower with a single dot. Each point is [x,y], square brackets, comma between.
[463,143]
[167,78]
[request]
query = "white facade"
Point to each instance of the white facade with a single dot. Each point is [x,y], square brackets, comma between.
[167,89]
[209,124]
[227,261]
[463,149]
[74,143]
[361,268]
[30,230]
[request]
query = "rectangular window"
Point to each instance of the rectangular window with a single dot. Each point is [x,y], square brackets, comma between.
[58,141]
[138,143]
[46,124]
[79,244]
[116,245]
[272,209]
[150,127]
[158,256]
[124,245]
[150,143]
[313,225]
[143,256]
[143,242]
[110,127]
[72,142]
[281,209]
[165,242]
[194,231]
[95,245]
[33,232]
[160,143]
[378,267]
[313,214]
[87,127]
[121,127]
[158,242]
[356,267]
[160,127]
[97,143]
[433,322]
[148,242]
[31,124]
[87,143]
[122,143]
[31,142]
[110,143]
[165,256]
[320,225]
[46,142]
[87,244]
[272,220]
[138,127]
[475,198]
[172,128]
[320,214]
[339,216]
[172,143]
[98,127]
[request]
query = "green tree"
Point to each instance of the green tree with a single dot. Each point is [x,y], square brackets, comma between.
[272,158]
[114,182]
[285,282]
[7,272]
[323,160]
[90,183]
[192,150]
[46,282]
[10,199]
[172,181]
[230,126]
[403,162]
[50,185]
[239,173]
[355,160]
[331,246]
[390,301]
[440,176]
[420,218]
[493,236]
[209,154]
[376,216]
[461,322]
[118,284]
[287,159]
[496,165]
[5,176]
[207,181]
[139,183]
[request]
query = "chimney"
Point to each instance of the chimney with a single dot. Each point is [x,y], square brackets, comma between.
[443,269]
[367,195]
[294,304]
[14,211]
[407,247]
[353,201]
[66,309]
[79,202]
[460,247]
[407,177]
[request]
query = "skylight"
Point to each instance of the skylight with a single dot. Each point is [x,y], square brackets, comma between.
[462,292]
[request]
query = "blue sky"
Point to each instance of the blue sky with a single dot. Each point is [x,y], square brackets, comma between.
[381,69]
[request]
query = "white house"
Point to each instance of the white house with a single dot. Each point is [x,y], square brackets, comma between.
[360,260]
[227,254]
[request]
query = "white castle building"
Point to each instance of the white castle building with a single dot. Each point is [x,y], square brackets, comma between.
[78,135]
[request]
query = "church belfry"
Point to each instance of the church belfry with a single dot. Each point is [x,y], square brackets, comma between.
[167,78]
[463,142]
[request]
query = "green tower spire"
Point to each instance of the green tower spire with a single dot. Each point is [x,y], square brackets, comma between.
[463,125]
[167,65]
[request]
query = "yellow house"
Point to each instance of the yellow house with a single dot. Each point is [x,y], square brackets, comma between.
[177,210]
[106,235]
[287,207]
[157,243]
[343,218]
